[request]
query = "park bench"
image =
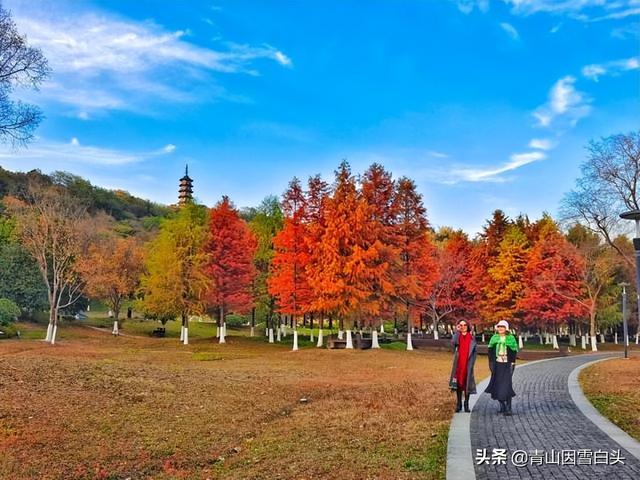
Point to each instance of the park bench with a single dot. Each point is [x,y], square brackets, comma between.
[158,332]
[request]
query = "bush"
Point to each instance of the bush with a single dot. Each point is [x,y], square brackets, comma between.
[8,331]
[9,312]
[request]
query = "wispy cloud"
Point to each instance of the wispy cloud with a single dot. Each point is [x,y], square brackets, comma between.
[103,62]
[565,102]
[511,30]
[57,153]
[493,174]
[582,10]
[541,143]
[467,6]
[614,67]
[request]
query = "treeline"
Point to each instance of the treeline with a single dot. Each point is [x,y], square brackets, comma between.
[358,251]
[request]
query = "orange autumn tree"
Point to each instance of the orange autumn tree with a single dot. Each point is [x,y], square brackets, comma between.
[111,270]
[345,263]
[416,253]
[379,192]
[504,285]
[230,248]
[288,279]
[553,277]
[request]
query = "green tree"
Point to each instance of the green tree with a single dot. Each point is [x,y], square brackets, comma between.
[9,311]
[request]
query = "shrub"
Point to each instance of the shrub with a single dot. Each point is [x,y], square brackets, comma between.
[9,312]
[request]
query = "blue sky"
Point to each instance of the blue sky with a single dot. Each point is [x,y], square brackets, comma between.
[485,104]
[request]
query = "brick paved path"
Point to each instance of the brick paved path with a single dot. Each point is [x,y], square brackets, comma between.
[545,418]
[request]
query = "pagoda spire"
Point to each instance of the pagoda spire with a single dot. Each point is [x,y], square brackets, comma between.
[185,191]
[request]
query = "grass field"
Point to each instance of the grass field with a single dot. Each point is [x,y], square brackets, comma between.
[613,387]
[95,406]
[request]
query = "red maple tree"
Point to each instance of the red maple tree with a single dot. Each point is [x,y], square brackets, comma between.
[230,248]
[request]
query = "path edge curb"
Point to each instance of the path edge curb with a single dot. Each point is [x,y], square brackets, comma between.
[614,432]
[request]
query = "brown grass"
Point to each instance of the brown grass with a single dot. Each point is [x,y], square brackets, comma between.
[94,406]
[613,388]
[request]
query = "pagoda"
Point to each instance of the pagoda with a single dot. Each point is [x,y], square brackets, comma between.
[185,192]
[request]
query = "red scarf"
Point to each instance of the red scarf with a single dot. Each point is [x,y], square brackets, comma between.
[464,346]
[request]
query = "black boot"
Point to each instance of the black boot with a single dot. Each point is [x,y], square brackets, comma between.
[503,406]
[507,411]
[466,402]
[459,400]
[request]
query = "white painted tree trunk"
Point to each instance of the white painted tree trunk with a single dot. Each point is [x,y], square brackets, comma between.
[181,333]
[409,344]
[270,335]
[279,335]
[252,332]
[638,338]
[115,331]
[602,338]
[435,335]
[224,328]
[555,342]
[520,344]
[311,338]
[340,335]
[374,339]
[483,339]
[541,341]
[594,344]
[572,339]
[223,333]
[53,334]
[583,342]
[381,328]
[284,330]
[320,339]
[49,332]
[349,340]
[217,331]
[615,338]
[295,340]
[186,335]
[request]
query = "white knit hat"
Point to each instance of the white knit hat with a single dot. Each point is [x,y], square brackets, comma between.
[503,323]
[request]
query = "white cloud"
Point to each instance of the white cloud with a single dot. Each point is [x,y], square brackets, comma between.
[614,67]
[565,103]
[59,153]
[467,6]
[556,28]
[436,154]
[511,31]
[102,62]
[541,143]
[492,174]
[582,10]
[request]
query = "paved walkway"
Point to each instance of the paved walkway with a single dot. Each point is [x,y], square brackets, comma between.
[559,441]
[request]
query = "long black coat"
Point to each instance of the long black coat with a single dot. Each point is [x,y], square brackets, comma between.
[471,361]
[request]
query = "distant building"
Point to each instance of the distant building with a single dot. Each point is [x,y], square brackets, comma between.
[185,192]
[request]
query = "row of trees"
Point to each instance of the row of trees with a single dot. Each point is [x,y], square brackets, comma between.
[359,251]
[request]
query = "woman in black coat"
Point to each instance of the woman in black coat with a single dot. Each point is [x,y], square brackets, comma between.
[503,350]
[462,378]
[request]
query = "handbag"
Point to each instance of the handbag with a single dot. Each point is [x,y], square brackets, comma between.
[453,384]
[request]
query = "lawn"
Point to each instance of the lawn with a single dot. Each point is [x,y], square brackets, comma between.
[612,387]
[96,406]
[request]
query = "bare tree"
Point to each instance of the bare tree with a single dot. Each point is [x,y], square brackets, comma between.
[20,65]
[55,230]
[608,186]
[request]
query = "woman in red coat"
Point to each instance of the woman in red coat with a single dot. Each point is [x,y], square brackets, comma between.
[462,378]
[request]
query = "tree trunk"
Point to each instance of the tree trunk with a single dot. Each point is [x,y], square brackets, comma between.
[320,339]
[270,335]
[349,340]
[295,340]
[222,326]
[409,344]
[374,339]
